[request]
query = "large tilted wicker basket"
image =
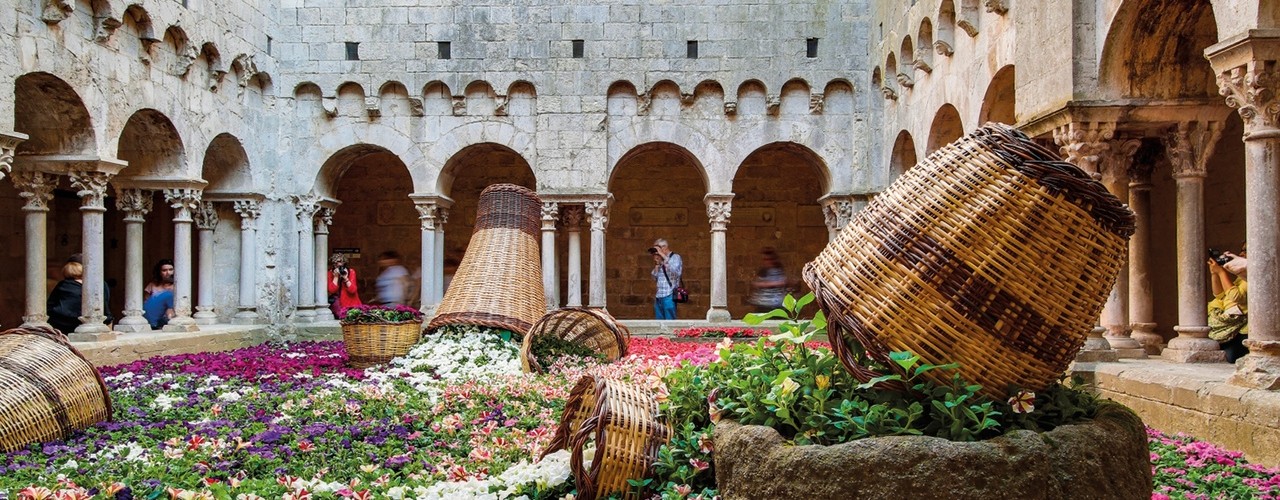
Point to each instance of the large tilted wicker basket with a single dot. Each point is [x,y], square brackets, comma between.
[47,388]
[590,327]
[623,422]
[499,282]
[992,253]
[370,344]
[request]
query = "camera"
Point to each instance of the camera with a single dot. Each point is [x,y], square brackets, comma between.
[653,250]
[1219,257]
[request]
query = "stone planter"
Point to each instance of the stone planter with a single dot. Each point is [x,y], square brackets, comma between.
[1105,458]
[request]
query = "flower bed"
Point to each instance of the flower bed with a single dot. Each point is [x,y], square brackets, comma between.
[291,421]
[715,332]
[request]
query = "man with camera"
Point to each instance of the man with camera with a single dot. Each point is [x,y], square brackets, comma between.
[667,271]
[342,285]
[1229,309]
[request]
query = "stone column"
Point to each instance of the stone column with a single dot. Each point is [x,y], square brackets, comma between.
[573,223]
[206,219]
[8,147]
[1115,313]
[1189,147]
[323,219]
[719,208]
[1249,76]
[442,218]
[91,187]
[837,211]
[37,189]
[305,210]
[184,201]
[427,220]
[249,211]
[598,211]
[550,278]
[1082,144]
[135,203]
[1142,316]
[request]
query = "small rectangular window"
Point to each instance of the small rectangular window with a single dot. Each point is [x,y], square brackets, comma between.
[578,49]
[268,45]
[811,47]
[691,49]
[353,51]
[443,50]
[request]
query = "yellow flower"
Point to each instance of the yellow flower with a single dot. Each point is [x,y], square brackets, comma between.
[823,382]
[788,386]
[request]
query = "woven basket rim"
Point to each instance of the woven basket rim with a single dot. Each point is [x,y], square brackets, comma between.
[50,333]
[354,323]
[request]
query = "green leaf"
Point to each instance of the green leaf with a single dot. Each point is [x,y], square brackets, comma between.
[789,303]
[804,301]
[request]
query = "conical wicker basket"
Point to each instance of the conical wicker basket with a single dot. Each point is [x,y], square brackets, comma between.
[623,422]
[47,388]
[499,282]
[591,327]
[992,253]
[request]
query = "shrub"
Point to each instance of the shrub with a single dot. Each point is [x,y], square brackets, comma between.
[363,314]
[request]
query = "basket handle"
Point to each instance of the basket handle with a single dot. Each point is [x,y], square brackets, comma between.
[586,479]
[838,327]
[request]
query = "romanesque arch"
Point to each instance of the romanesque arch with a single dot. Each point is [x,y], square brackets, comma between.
[334,150]
[903,156]
[946,127]
[151,145]
[999,103]
[226,166]
[658,190]
[775,204]
[48,110]
[465,175]
[1155,49]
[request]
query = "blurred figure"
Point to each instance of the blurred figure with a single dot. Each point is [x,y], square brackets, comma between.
[161,278]
[158,309]
[342,285]
[393,280]
[450,267]
[770,285]
[63,305]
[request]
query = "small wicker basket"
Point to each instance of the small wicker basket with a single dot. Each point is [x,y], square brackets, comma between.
[623,422]
[591,327]
[47,388]
[370,344]
[992,253]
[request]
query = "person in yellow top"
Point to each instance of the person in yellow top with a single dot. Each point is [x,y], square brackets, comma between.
[1229,309]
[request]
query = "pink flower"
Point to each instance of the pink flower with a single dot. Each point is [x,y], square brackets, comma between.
[1023,402]
[699,465]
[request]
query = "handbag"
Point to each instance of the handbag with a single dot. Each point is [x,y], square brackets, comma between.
[679,295]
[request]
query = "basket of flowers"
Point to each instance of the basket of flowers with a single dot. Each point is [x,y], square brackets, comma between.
[376,334]
[47,388]
[573,331]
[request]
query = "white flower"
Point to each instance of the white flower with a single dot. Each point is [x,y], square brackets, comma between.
[164,402]
[229,397]
[71,464]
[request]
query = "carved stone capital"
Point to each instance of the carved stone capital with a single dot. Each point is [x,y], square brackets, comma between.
[1083,143]
[249,211]
[1140,175]
[1189,146]
[943,48]
[997,6]
[135,203]
[550,214]
[36,188]
[1118,160]
[206,216]
[324,219]
[8,147]
[598,211]
[573,215]
[442,217]
[305,207]
[837,212]
[426,214]
[91,187]
[1254,90]
[719,209]
[184,202]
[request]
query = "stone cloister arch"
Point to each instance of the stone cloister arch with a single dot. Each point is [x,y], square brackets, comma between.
[903,155]
[946,127]
[776,203]
[999,103]
[658,191]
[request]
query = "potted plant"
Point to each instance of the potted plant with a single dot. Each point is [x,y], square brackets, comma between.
[376,334]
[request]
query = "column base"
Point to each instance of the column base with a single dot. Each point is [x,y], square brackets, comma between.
[181,324]
[127,326]
[247,317]
[1145,334]
[304,314]
[205,316]
[1192,345]
[324,314]
[1096,348]
[1126,347]
[1260,369]
[92,336]
[39,321]
[718,315]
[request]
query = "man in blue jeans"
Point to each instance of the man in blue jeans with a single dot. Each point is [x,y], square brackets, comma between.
[667,268]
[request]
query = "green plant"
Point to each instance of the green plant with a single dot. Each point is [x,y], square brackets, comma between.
[379,314]
[547,349]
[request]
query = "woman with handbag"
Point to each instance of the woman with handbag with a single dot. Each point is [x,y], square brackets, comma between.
[668,269]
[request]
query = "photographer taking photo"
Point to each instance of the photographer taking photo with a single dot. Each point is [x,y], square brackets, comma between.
[1229,309]
[342,285]
[667,270]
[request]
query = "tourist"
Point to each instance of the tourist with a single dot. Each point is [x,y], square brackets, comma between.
[342,285]
[158,309]
[63,305]
[161,278]
[1229,309]
[393,282]
[667,272]
[770,285]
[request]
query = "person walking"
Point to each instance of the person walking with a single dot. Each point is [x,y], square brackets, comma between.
[393,281]
[668,269]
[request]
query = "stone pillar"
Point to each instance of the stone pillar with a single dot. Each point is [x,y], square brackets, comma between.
[1189,147]
[305,210]
[837,211]
[1142,316]
[1115,313]
[598,211]
[719,208]
[8,147]
[323,219]
[442,218]
[206,219]
[249,211]
[37,189]
[550,278]
[1082,144]
[135,203]
[573,224]
[427,287]
[1249,76]
[184,201]
[91,187]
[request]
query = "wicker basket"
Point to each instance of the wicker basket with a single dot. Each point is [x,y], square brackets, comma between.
[591,327]
[47,388]
[371,344]
[499,282]
[991,252]
[623,422]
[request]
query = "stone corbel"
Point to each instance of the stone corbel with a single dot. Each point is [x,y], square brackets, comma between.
[731,107]
[415,107]
[459,105]
[889,93]
[373,106]
[943,48]
[920,62]
[501,102]
[905,80]
[996,6]
[186,59]
[104,27]
[147,43]
[968,27]
[55,11]
[772,104]
[329,105]
[816,102]
[687,99]
[215,77]
[642,103]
